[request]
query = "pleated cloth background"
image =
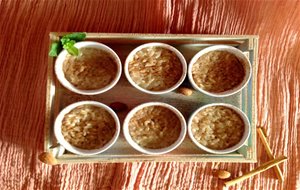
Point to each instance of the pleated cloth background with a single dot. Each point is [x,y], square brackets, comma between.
[24,29]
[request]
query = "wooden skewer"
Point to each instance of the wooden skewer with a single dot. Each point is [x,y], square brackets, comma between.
[47,158]
[258,170]
[264,140]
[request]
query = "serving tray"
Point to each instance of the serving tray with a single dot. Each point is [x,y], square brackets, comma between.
[59,97]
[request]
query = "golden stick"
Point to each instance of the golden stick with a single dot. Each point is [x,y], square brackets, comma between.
[264,140]
[258,170]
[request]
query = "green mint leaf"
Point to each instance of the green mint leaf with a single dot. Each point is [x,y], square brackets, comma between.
[78,36]
[54,49]
[64,40]
[67,42]
[69,46]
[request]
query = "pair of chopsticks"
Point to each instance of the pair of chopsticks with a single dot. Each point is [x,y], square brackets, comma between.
[272,163]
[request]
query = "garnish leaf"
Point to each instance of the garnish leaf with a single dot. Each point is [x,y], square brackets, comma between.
[69,46]
[78,36]
[64,40]
[54,49]
[67,42]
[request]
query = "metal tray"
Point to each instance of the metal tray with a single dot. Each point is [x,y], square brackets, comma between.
[58,97]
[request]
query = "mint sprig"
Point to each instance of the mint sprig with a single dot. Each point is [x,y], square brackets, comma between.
[78,36]
[67,42]
[69,46]
[55,49]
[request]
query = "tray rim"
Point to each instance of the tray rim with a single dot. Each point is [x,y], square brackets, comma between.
[253,44]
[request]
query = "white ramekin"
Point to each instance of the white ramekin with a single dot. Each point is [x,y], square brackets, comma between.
[154,151]
[61,76]
[80,151]
[238,53]
[154,44]
[227,150]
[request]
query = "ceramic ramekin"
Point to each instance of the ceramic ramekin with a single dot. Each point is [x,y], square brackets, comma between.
[154,151]
[162,45]
[227,150]
[238,53]
[61,76]
[80,151]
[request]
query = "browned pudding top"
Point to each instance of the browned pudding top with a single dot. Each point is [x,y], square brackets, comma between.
[88,127]
[217,127]
[218,71]
[155,68]
[92,69]
[154,127]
